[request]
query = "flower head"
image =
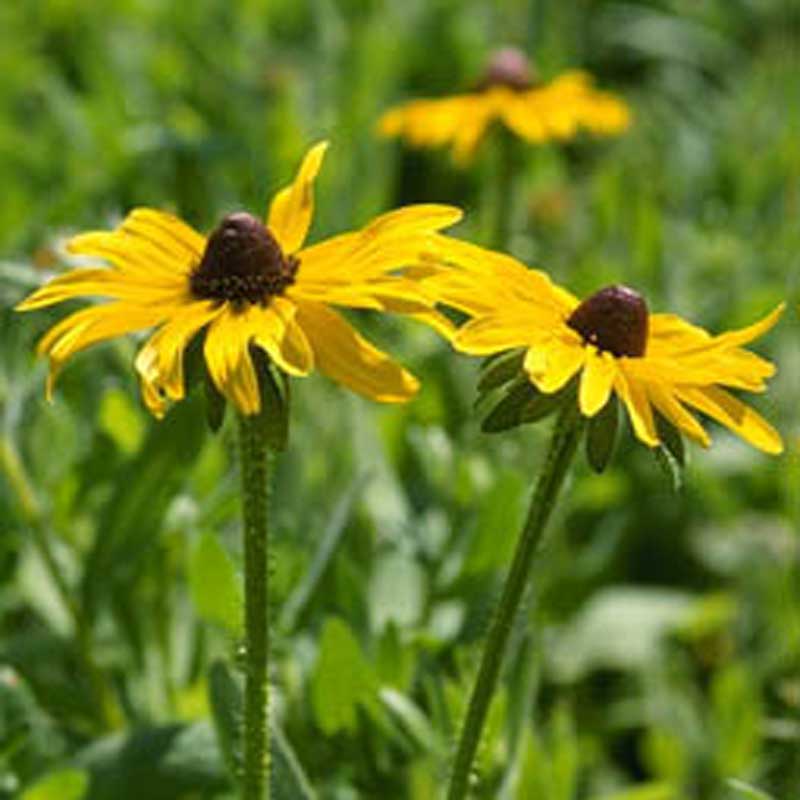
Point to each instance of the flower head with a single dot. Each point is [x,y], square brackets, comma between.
[509,92]
[662,368]
[249,284]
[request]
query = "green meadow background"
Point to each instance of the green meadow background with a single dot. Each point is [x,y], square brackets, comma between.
[658,655]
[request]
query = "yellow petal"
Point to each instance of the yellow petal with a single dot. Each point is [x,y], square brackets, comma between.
[664,400]
[492,333]
[751,332]
[90,326]
[276,331]
[165,232]
[634,396]
[103,283]
[160,360]
[731,412]
[553,366]
[293,207]
[597,381]
[352,361]
[229,363]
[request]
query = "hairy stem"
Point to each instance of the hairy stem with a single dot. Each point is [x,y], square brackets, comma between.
[564,441]
[255,503]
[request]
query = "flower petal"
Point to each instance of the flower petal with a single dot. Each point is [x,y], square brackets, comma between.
[492,333]
[597,381]
[90,326]
[352,361]
[160,360]
[276,331]
[103,283]
[634,395]
[228,359]
[663,398]
[552,365]
[731,412]
[292,208]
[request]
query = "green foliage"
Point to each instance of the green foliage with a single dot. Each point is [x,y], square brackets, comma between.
[658,652]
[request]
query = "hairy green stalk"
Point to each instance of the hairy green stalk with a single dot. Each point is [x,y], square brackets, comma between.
[566,435]
[255,503]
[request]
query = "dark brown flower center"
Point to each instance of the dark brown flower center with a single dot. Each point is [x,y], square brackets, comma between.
[508,67]
[242,263]
[615,319]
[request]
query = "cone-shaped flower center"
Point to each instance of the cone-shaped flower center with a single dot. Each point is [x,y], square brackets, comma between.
[615,319]
[242,263]
[509,67]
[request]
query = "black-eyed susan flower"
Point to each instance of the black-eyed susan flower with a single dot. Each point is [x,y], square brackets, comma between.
[580,358]
[509,93]
[609,345]
[249,284]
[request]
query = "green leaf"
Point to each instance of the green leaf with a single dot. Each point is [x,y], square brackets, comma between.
[669,466]
[163,763]
[215,586]
[67,784]
[215,404]
[225,699]
[121,420]
[747,790]
[289,781]
[328,544]
[133,514]
[522,403]
[671,439]
[601,435]
[342,680]
[500,370]
[274,388]
[397,592]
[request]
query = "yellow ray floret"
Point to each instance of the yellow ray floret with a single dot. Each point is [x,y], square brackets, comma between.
[555,111]
[658,365]
[248,285]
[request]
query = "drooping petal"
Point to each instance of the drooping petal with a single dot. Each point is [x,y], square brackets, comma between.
[91,326]
[293,207]
[227,356]
[735,415]
[663,398]
[634,396]
[276,330]
[352,361]
[597,381]
[160,360]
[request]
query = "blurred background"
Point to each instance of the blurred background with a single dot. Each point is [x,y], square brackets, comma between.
[659,653]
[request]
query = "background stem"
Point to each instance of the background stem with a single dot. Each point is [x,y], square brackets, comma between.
[566,434]
[255,502]
[504,200]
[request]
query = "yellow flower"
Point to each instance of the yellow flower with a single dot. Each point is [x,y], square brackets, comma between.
[509,93]
[656,364]
[247,285]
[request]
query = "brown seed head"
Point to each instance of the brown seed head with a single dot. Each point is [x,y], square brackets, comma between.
[242,263]
[509,67]
[615,319]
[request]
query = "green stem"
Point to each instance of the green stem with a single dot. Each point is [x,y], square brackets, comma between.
[104,703]
[505,189]
[255,501]
[564,441]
